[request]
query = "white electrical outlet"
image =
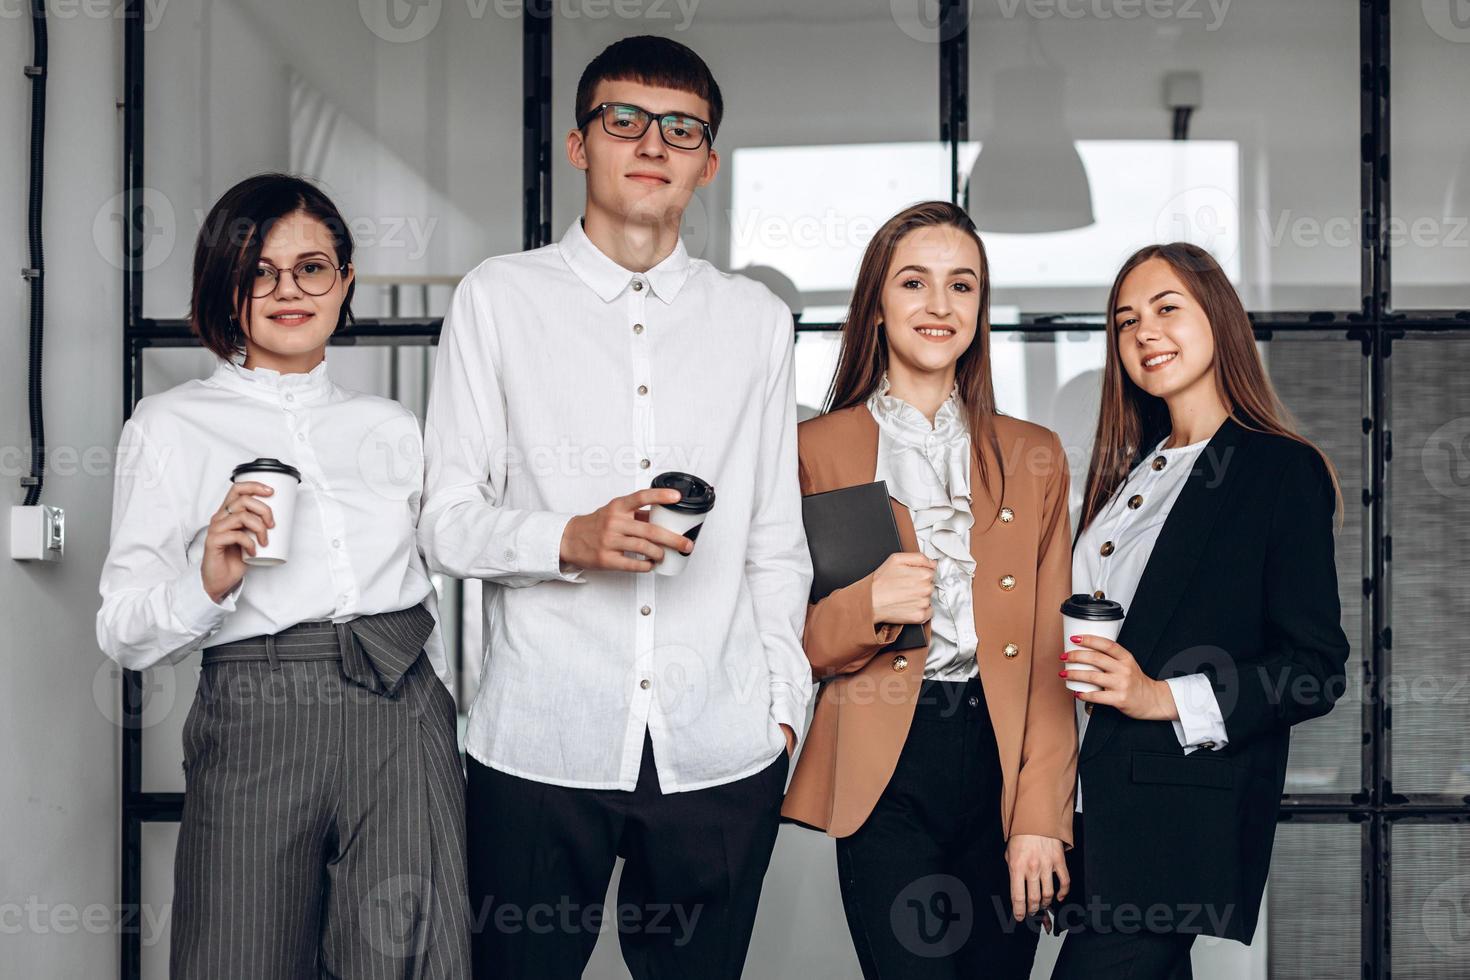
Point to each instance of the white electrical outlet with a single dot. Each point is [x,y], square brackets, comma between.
[37,533]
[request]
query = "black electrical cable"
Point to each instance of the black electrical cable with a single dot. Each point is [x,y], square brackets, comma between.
[35,273]
[1181,121]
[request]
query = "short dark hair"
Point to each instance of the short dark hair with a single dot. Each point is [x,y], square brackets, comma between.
[651,60]
[228,248]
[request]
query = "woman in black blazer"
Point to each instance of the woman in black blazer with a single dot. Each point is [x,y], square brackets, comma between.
[1211,521]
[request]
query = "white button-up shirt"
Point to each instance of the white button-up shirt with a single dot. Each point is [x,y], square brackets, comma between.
[1132,533]
[562,381]
[353,544]
[927,469]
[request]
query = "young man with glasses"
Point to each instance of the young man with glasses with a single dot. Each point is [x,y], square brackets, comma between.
[622,713]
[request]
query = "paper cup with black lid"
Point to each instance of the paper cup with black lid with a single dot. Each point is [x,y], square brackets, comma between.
[685,517]
[1097,617]
[284,479]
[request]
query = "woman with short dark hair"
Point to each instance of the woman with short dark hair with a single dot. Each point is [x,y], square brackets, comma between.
[267,516]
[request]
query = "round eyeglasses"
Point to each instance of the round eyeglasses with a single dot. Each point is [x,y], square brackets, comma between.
[312,276]
[630,122]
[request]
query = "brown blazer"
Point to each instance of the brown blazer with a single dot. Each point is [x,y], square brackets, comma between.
[1023,572]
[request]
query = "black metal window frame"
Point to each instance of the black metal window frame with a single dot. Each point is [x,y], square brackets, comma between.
[1376,807]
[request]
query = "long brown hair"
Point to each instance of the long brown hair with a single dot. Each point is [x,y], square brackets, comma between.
[1131,421]
[864,353]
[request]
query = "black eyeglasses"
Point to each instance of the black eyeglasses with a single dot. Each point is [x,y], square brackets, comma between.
[313,277]
[630,122]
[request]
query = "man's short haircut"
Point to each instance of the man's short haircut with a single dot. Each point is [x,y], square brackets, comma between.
[652,61]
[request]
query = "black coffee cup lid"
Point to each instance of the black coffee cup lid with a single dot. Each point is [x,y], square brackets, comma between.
[699,497]
[265,464]
[1082,606]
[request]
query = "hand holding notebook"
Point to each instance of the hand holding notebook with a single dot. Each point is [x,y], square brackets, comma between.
[850,532]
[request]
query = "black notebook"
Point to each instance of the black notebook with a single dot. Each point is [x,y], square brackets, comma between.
[850,532]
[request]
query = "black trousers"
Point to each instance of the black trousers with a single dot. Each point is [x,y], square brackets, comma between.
[541,857]
[924,880]
[1094,950]
[1091,955]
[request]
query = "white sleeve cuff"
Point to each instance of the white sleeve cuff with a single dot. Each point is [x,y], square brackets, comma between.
[788,707]
[197,613]
[537,552]
[1200,724]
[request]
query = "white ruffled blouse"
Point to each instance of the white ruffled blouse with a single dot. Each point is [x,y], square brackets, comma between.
[927,469]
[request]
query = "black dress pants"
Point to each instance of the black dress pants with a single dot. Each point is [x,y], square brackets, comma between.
[1095,950]
[924,880]
[541,857]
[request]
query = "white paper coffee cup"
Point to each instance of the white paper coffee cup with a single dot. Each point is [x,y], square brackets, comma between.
[1095,617]
[285,480]
[685,517]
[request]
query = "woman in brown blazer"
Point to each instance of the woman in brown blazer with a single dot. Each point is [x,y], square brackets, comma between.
[945,772]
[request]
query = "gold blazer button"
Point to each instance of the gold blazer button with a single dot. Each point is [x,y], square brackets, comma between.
[1012,651]
[1008,582]
[900,662]
[1007,515]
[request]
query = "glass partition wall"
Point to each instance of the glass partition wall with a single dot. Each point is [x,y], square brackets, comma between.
[1074,133]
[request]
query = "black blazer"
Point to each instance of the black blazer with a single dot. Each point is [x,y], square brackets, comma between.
[1241,586]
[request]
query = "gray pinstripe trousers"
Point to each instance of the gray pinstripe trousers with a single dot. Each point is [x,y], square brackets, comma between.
[323,824]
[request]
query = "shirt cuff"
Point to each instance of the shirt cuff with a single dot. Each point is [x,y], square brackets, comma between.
[537,551]
[788,707]
[196,611]
[1200,724]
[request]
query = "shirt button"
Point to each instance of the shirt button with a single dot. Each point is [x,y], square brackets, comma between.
[290,398]
[644,464]
[1007,515]
[637,328]
[301,437]
[342,599]
[646,611]
[1135,501]
[1107,548]
[510,554]
[637,285]
[336,542]
[1159,462]
[645,683]
[1008,582]
[643,389]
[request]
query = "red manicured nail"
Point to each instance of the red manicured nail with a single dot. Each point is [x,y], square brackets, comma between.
[1075,639]
[1063,656]
[1061,673]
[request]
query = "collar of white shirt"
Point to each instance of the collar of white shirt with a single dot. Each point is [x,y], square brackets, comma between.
[608,279]
[270,385]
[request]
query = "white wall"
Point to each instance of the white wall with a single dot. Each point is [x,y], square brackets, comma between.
[58,746]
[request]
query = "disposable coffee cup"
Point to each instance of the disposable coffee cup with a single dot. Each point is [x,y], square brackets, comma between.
[685,517]
[1096,617]
[284,479]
